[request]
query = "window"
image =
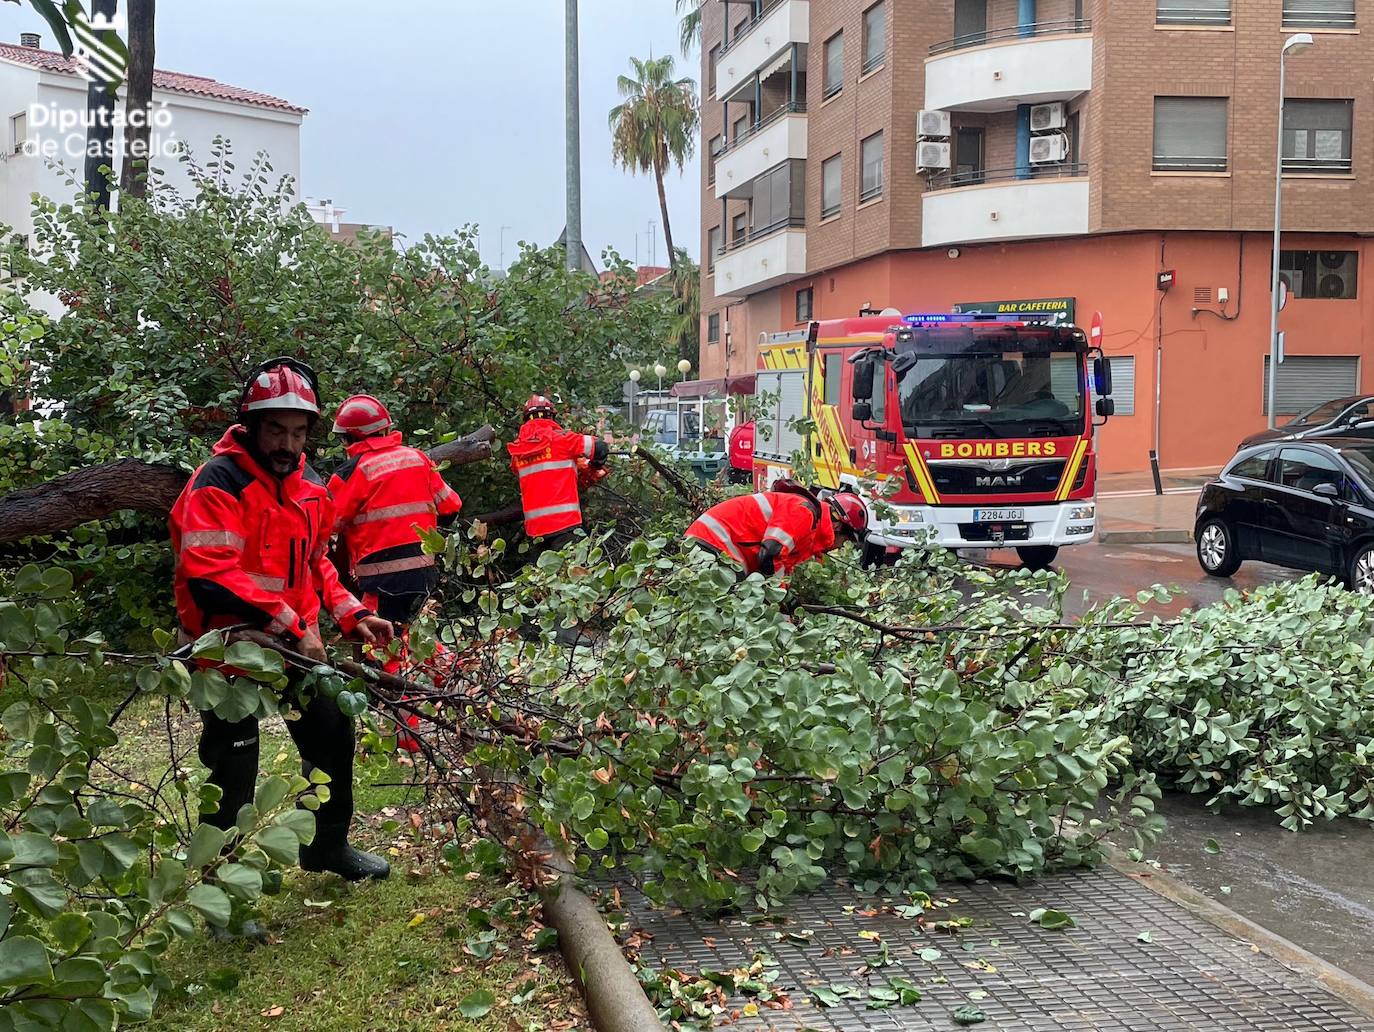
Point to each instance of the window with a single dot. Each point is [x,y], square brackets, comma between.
[1252,468]
[713,149]
[1074,132]
[968,156]
[1319,14]
[1190,134]
[713,245]
[875,36]
[739,227]
[834,64]
[831,170]
[1193,12]
[1332,275]
[834,370]
[872,154]
[970,22]
[19,131]
[713,328]
[1303,469]
[711,70]
[805,297]
[1123,383]
[1306,381]
[1316,135]
[741,129]
[779,197]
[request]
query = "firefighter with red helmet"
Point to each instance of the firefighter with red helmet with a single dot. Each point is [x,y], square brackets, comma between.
[384,496]
[250,532]
[545,458]
[782,528]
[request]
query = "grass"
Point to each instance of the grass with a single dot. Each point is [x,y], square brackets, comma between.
[390,955]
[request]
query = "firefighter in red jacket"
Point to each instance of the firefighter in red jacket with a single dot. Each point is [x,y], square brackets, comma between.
[381,495]
[249,532]
[782,528]
[545,457]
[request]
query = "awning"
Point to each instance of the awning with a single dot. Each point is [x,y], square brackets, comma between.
[718,388]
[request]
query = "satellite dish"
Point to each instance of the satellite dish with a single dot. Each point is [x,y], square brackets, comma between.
[891,311]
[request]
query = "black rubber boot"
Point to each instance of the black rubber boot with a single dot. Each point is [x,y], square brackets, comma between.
[250,931]
[331,852]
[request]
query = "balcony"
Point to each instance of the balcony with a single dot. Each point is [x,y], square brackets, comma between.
[764,43]
[779,137]
[996,205]
[1001,68]
[762,259]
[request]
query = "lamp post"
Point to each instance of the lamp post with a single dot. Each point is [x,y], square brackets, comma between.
[659,370]
[1294,44]
[634,384]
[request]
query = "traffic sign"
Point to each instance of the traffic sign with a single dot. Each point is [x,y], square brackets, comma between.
[1095,331]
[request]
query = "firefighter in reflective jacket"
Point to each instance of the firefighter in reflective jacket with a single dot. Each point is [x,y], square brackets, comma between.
[381,495]
[249,532]
[545,458]
[782,528]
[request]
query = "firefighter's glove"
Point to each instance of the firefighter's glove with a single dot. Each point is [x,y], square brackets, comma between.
[768,556]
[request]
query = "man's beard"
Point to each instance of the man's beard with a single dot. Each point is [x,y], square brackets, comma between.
[283,463]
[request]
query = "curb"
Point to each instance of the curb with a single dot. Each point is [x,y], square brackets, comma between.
[1359,994]
[1145,537]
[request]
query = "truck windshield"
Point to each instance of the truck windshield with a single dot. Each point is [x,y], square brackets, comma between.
[999,394]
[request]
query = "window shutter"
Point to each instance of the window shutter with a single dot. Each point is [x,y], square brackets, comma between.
[1308,380]
[1190,134]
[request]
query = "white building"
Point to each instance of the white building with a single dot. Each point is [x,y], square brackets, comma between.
[43,104]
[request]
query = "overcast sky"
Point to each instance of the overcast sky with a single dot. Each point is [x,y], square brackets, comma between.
[428,114]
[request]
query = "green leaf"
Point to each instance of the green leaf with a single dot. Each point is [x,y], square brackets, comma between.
[477,1004]
[968,1016]
[280,843]
[206,844]
[24,961]
[240,881]
[1145,936]
[1211,846]
[545,939]
[211,903]
[597,838]
[1055,920]
[930,955]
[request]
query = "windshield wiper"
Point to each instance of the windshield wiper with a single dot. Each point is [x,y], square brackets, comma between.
[941,428]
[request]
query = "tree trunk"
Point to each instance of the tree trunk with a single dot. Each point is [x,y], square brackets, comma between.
[133,179]
[663,207]
[99,491]
[100,106]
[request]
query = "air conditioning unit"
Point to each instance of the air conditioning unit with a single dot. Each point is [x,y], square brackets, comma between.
[933,123]
[1047,116]
[1046,150]
[931,155]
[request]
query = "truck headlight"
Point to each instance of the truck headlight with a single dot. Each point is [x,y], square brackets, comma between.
[1083,512]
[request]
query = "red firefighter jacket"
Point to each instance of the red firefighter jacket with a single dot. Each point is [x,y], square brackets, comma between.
[250,548]
[738,527]
[544,457]
[379,496]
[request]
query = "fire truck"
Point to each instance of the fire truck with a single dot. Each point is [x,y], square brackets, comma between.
[971,431]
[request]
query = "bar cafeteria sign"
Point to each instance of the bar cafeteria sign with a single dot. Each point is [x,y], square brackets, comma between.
[1057,311]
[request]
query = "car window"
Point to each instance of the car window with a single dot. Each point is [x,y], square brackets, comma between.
[1318,414]
[1252,468]
[1355,413]
[1302,470]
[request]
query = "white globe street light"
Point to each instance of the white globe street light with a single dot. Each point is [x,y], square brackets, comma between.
[634,383]
[659,370]
[684,367]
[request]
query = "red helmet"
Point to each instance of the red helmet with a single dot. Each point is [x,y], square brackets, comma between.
[362,416]
[849,511]
[539,407]
[281,383]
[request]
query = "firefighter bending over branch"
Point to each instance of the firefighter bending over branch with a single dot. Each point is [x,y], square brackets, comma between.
[381,495]
[782,528]
[249,532]
[545,458]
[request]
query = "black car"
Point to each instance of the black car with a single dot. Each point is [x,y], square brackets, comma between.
[1343,416]
[1306,505]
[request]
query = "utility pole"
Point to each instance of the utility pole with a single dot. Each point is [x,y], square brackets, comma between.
[573,232]
[502,264]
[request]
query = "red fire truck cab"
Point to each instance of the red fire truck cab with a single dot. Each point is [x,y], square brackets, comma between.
[960,430]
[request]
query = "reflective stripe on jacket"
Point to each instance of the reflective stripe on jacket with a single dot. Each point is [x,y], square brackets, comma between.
[380,495]
[738,527]
[250,547]
[544,458]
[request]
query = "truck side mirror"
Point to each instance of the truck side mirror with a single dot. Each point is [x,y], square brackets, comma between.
[1106,407]
[1102,377]
[863,411]
[863,380]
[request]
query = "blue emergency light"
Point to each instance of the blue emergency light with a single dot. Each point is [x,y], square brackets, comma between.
[935,318]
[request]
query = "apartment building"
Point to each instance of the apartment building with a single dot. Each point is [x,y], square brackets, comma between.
[1066,156]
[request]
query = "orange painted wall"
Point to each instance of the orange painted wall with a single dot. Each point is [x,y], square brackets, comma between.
[1212,367]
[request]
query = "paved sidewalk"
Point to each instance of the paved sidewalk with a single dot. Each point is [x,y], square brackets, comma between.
[1129,511]
[1134,961]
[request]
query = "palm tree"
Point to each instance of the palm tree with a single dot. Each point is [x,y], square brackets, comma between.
[685,330]
[690,27]
[656,126]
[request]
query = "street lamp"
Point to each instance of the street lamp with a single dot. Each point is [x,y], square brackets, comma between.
[659,370]
[1294,44]
[634,383]
[684,367]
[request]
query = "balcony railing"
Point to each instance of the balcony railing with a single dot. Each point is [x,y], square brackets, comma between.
[1189,163]
[751,25]
[978,39]
[795,107]
[758,233]
[1063,170]
[1327,166]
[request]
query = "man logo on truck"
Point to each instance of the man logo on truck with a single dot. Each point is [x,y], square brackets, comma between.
[1012,480]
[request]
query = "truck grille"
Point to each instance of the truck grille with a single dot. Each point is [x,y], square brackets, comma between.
[1021,478]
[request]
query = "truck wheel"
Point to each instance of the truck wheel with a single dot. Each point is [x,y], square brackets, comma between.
[1216,549]
[1037,557]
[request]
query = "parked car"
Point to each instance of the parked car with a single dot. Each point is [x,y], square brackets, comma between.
[1306,505]
[1345,416]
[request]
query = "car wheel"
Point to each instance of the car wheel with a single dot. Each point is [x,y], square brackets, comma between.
[1216,549]
[1037,557]
[1362,571]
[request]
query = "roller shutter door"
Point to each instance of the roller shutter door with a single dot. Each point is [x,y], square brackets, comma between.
[1308,380]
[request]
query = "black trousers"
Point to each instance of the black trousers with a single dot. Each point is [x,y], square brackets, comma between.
[325,739]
